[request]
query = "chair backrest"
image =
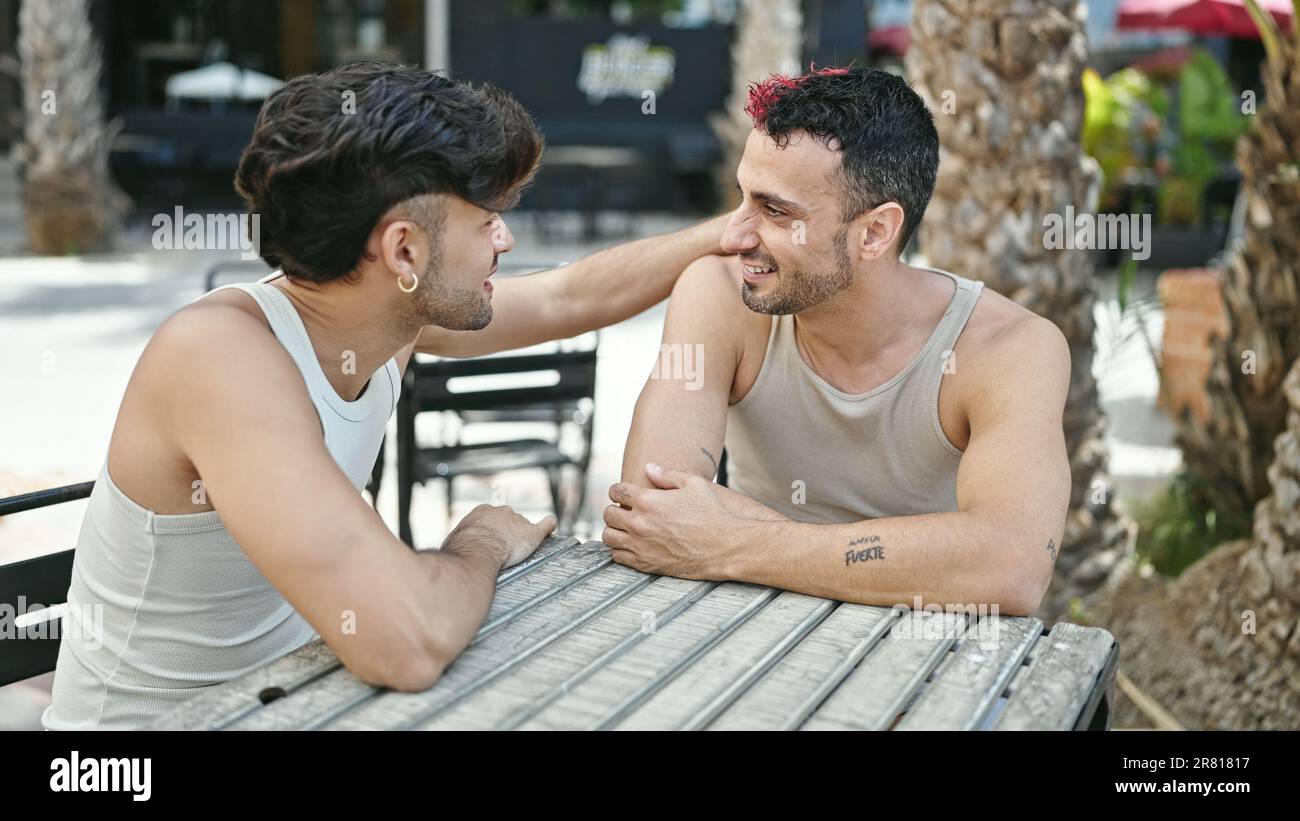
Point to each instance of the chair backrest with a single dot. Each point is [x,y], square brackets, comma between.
[248,270]
[29,638]
[426,386]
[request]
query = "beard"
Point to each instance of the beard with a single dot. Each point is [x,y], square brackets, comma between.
[796,291]
[454,307]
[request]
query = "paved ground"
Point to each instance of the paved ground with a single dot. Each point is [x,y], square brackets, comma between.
[72,329]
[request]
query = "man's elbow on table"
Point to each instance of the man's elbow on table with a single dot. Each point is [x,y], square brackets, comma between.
[408,660]
[409,652]
[1013,577]
[1021,600]
[1022,588]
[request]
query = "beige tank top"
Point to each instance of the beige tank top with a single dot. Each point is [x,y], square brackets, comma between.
[817,454]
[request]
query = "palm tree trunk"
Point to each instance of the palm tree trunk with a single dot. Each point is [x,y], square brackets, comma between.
[769,35]
[1219,647]
[1005,88]
[1230,450]
[70,201]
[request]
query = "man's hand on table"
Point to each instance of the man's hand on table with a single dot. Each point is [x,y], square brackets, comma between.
[509,534]
[684,527]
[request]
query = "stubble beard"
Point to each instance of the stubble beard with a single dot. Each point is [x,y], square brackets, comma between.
[796,291]
[452,307]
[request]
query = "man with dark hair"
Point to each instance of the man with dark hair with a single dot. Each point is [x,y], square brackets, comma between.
[893,433]
[227,526]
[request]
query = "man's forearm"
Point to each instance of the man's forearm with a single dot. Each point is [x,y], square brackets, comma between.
[596,291]
[620,282]
[944,558]
[464,574]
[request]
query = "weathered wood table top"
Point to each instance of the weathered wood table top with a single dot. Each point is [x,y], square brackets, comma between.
[574,641]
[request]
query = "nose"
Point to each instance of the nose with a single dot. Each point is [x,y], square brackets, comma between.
[739,235]
[502,239]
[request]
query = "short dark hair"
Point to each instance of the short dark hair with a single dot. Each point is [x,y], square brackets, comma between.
[331,153]
[885,133]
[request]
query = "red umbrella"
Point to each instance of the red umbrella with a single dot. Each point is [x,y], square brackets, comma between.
[1202,16]
[891,39]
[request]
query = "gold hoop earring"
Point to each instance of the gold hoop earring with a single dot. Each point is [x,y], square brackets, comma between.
[414,284]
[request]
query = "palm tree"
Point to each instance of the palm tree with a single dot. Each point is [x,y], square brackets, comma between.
[1219,647]
[1005,88]
[768,40]
[70,201]
[1229,451]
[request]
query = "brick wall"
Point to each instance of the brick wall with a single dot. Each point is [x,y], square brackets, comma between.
[1193,309]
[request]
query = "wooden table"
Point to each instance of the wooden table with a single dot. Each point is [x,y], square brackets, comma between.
[576,641]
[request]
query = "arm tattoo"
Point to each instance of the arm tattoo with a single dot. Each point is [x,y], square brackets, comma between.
[1051,549]
[876,550]
[712,461]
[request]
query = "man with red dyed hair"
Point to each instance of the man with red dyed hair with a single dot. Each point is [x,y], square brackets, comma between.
[894,433]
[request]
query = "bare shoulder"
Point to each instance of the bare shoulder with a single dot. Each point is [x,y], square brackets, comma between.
[708,278]
[211,326]
[709,291]
[1000,326]
[210,363]
[1005,344]
[218,342]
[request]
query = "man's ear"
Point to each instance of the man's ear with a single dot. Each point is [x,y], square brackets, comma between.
[876,231]
[401,247]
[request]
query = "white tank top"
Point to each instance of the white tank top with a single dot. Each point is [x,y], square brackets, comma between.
[182,607]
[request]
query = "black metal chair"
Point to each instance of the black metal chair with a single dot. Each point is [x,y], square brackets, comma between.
[33,649]
[243,266]
[425,389]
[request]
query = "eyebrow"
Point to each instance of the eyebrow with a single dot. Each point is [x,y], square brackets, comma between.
[772,199]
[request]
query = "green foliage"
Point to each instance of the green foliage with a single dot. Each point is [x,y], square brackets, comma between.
[1181,524]
[1127,129]
[1209,121]
[1208,108]
[1120,115]
[1127,276]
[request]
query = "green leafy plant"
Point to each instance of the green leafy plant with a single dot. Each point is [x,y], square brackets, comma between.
[1180,524]
[1127,129]
[1209,123]
[1122,115]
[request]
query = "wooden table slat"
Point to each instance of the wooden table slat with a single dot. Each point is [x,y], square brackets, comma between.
[570,570]
[1059,680]
[878,691]
[710,711]
[602,696]
[966,687]
[338,690]
[550,547]
[545,679]
[224,703]
[639,698]
[804,677]
[486,662]
[574,641]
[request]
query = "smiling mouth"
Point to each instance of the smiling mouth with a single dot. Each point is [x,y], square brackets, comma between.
[753,272]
